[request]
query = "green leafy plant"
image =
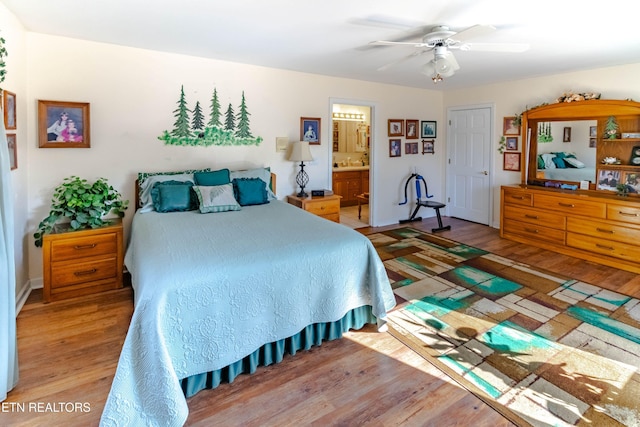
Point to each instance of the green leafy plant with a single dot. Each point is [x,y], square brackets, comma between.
[502,144]
[84,204]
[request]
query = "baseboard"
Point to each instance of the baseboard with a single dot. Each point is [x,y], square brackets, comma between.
[22,295]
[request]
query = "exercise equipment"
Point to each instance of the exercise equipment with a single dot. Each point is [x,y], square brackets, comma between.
[419,203]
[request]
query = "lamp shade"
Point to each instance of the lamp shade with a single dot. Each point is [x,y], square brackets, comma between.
[300,152]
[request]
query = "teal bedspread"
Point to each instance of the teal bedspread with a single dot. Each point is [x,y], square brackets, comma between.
[211,289]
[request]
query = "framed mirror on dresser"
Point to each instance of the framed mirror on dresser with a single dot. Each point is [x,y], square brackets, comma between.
[593,213]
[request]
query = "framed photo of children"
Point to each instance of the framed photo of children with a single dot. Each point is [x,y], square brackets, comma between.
[512,143]
[310,130]
[511,161]
[9,107]
[13,151]
[395,148]
[63,124]
[411,129]
[395,127]
[428,129]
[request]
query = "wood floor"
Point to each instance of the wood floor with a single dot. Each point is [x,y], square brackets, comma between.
[68,352]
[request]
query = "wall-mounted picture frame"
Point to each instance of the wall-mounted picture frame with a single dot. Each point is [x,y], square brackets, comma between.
[310,130]
[511,143]
[592,142]
[410,148]
[593,131]
[511,161]
[428,129]
[395,148]
[509,126]
[428,146]
[9,108]
[411,129]
[395,127]
[13,150]
[566,134]
[63,124]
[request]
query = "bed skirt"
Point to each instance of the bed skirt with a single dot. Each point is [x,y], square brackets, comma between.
[274,352]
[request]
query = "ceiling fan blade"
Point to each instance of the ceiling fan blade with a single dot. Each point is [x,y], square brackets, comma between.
[496,47]
[474,31]
[399,61]
[391,43]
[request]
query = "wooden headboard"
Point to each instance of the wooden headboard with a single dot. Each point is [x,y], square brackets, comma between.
[137,190]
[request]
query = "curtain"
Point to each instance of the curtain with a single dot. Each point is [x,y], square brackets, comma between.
[8,342]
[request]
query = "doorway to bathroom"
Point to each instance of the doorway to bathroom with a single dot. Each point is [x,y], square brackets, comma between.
[351,168]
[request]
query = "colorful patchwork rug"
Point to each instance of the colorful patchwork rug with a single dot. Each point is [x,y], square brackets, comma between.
[541,348]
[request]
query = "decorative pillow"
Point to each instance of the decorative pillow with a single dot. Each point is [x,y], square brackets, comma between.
[548,161]
[173,196]
[263,173]
[218,177]
[559,163]
[216,198]
[573,162]
[146,180]
[540,162]
[250,191]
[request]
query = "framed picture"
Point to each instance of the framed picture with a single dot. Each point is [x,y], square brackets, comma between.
[631,181]
[9,107]
[395,148]
[512,143]
[63,124]
[593,131]
[511,161]
[13,151]
[592,142]
[566,134]
[428,147]
[428,129]
[411,129]
[410,148]
[396,127]
[608,179]
[510,127]
[310,130]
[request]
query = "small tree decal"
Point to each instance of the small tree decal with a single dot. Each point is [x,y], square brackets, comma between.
[181,126]
[243,130]
[214,117]
[229,121]
[197,122]
[611,128]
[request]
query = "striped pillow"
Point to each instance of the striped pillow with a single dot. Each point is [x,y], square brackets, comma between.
[216,198]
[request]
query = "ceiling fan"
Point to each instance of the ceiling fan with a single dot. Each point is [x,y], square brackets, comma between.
[442,40]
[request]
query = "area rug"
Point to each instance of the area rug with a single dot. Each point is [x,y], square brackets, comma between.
[541,348]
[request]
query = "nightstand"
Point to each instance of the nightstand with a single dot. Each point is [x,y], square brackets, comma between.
[326,206]
[82,262]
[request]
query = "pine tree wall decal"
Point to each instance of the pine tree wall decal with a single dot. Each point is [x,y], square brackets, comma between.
[243,130]
[197,122]
[214,118]
[181,126]
[229,120]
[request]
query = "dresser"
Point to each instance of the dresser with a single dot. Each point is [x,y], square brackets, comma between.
[82,262]
[603,228]
[327,206]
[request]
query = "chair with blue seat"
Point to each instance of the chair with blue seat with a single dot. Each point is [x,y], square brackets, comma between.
[426,203]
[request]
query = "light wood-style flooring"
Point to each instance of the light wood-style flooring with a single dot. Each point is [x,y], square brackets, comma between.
[68,352]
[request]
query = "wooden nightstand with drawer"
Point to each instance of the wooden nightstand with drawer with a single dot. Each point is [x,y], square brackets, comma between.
[326,206]
[82,262]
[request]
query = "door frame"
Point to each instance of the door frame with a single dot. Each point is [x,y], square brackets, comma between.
[372,156]
[492,136]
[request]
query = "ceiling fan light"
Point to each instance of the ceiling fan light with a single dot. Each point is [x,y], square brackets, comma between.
[429,69]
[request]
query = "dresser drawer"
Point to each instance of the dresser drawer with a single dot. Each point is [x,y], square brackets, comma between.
[570,206]
[606,247]
[603,230]
[335,217]
[323,207]
[70,273]
[514,196]
[624,213]
[80,247]
[531,216]
[533,231]
[347,175]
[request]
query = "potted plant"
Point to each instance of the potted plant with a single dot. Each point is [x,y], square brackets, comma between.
[84,204]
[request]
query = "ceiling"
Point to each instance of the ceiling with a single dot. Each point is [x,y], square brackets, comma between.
[331,37]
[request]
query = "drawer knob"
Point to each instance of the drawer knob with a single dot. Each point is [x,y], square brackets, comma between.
[86,272]
[531,216]
[627,213]
[609,248]
[518,197]
[602,230]
[531,230]
[566,205]
[80,247]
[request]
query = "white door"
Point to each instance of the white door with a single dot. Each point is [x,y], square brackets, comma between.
[468,164]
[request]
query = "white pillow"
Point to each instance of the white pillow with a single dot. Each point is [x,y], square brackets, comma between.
[216,198]
[548,160]
[146,202]
[574,162]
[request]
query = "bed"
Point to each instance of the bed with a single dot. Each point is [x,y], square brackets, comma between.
[221,293]
[563,166]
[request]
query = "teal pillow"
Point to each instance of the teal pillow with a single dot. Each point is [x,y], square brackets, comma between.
[172,196]
[540,162]
[250,191]
[559,163]
[219,177]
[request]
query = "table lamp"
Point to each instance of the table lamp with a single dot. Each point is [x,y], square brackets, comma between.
[300,153]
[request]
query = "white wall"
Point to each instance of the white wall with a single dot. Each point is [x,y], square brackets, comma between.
[15,81]
[133,93]
[511,98]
